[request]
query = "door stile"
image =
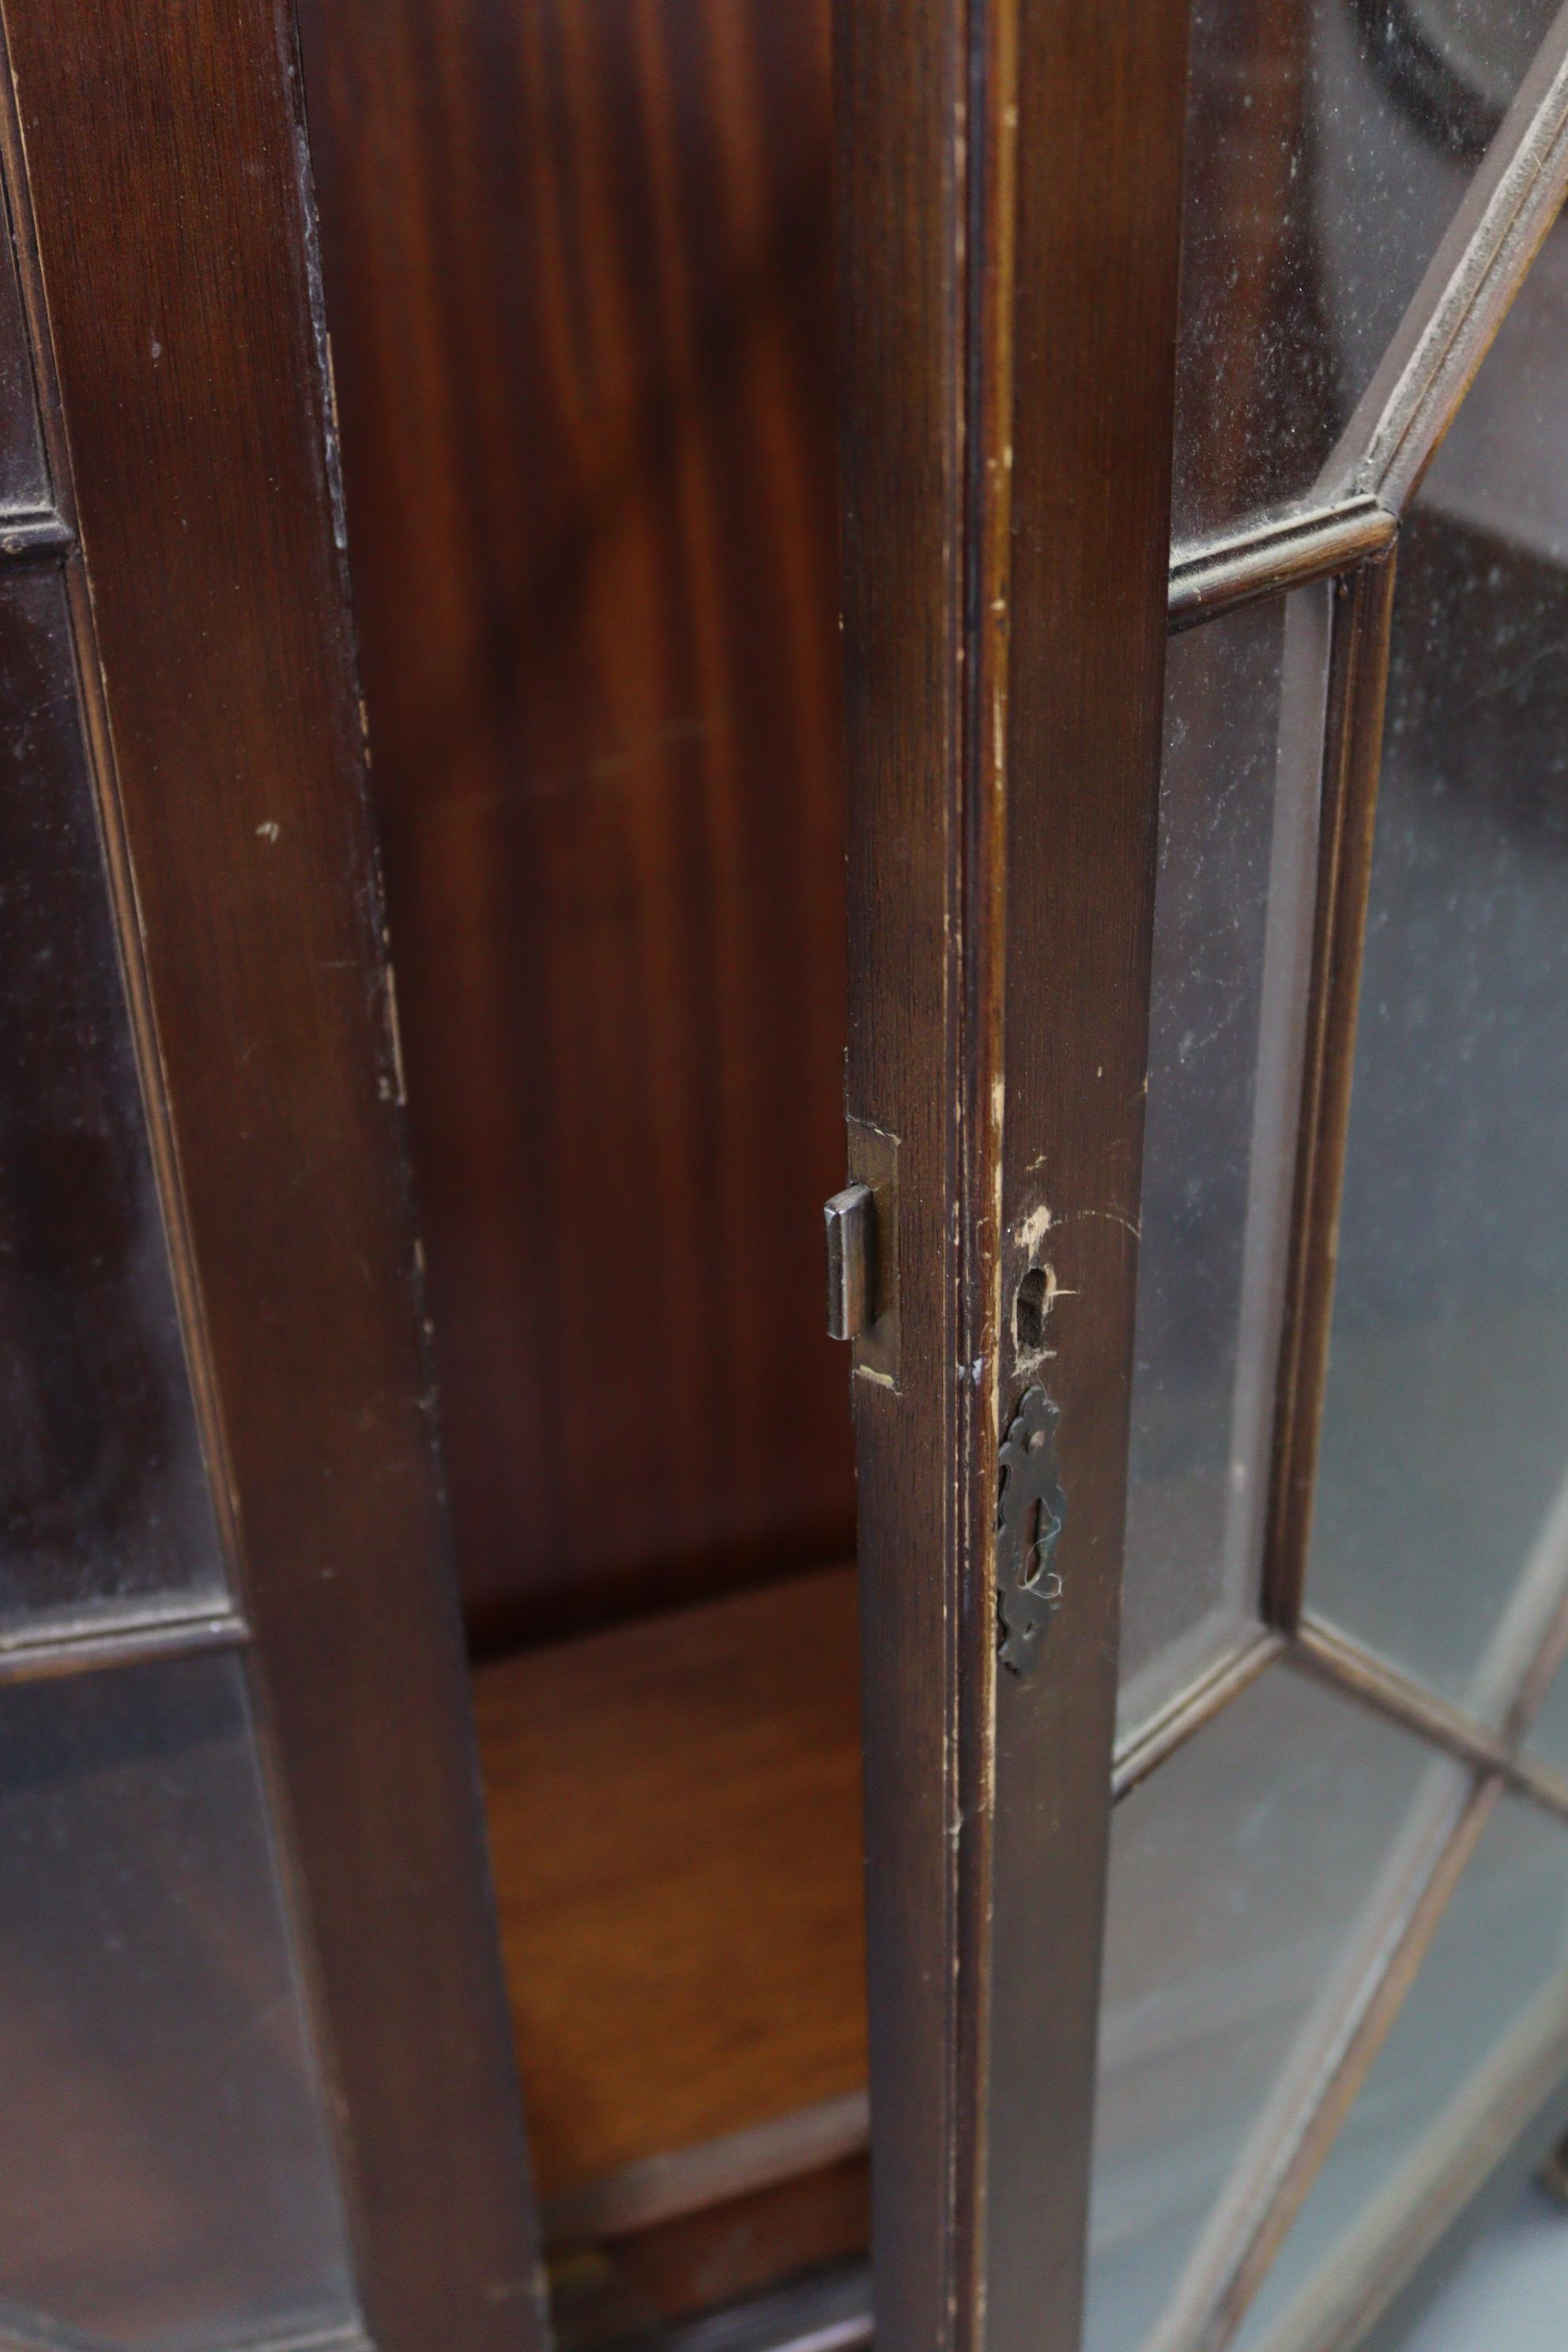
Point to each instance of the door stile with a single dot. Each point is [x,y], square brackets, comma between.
[1101,120]
[1010,195]
[175,240]
[901,73]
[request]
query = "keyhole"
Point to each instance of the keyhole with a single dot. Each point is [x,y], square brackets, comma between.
[1029,1312]
[1032,1550]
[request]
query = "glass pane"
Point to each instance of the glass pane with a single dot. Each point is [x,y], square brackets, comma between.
[1242,1874]
[1549,1731]
[1328,144]
[1511,2289]
[164,2175]
[104,1495]
[1238,806]
[1440,1531]
[1493,1984]
[23,480]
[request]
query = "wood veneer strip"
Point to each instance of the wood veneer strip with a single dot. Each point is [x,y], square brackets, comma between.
[689,2180]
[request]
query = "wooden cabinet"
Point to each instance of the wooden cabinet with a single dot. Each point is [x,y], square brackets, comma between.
[501,1845]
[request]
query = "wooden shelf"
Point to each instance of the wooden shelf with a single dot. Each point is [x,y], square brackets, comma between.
[675,1813]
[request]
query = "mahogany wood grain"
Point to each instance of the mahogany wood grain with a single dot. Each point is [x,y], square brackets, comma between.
[578,272]
[675,1815]
[164,150]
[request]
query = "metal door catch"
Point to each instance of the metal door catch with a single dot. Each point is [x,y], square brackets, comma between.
[851,1220]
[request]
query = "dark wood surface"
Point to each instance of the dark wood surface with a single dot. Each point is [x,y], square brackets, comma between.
[578,273]
[165,153]
[675,1815]
[1011,198]
[899,88]
[1101,102]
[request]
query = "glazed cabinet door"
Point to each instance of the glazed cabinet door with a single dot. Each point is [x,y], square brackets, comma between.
[256,2081]
[1207,549]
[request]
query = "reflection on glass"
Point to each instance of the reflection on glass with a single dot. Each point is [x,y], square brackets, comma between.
[1440,1527]
[1242,1876]
[1490,1998]
[164,2175]
[23,481]
[1239,804]
[103,1497]
[1328,144]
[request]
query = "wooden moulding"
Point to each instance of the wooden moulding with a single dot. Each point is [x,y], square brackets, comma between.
[1515,2105]
[1357,683]
[1273,555]
[1461,302]
[1195,1707]
[1397,1948]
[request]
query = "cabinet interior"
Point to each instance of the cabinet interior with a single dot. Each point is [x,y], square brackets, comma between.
[675,1819]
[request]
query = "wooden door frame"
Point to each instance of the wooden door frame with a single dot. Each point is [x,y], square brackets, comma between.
[1010,198]
[172,261]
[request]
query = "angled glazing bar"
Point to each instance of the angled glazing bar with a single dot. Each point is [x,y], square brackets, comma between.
[1283,553]
[1501,2123]
[1176,1725]
[122,1646]
[1278,2165]
[1516,196]
[1332,1656]
[1357,682]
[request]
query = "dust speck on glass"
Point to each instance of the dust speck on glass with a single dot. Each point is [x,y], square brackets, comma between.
[1336,1968]
[1329,144]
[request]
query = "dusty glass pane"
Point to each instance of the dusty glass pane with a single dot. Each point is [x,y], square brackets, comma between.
[23,480]
[1549,1732]
[1440,1528]
[1491,1991]
[1238,803]
[104,1498]
[1242,1876]
[1328,143]
[164,2175]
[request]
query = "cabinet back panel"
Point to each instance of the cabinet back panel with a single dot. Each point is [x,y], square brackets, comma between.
[579,287]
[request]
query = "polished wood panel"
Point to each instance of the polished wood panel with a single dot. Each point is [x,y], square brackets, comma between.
[900,83]
[173,226]
[674,1814]
[1094,331]
[1011,184]
[578,273]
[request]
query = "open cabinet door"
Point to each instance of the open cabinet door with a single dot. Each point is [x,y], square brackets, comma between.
[1010,190]
[1212,1098]
[258,2080]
